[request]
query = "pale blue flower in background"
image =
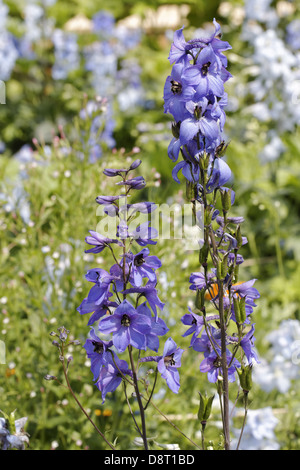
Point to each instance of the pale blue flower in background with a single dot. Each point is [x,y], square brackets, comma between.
[67,57]
[282,368]
[293,34]
[259,432]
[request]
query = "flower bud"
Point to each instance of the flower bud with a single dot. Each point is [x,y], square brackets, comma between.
[237,312]
[199,301]
[243,314]
[203,254]
[135,164]
[238,236]
[205,407]
[245,377]
[226,200]
[204,161]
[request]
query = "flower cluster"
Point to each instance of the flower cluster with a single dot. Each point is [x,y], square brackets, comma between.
[194,94]
[129,323]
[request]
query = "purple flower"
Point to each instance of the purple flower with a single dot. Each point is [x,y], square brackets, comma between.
[198,280]
[150,293]
[176,93]
[127,326]
[142,265]
[205,75]
[200,121]
[99,241]
[212,365]
[142,234]
[174,149]
[111,376]
[98,352]
[99,293]
[195,322]
[247,343]
[158,328]
[168,363]
[204,345]
[97,311]
[178,51]
[135,183]
[245,289]
[219,174]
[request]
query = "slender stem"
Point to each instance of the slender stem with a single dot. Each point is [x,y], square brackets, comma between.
[174,425]
[131,411]
[203,426]
[225,382]
[152,391]
[245,417]
[81,407]
[138,396]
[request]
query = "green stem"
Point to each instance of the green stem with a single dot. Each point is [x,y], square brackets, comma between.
[245,417]
[138,396]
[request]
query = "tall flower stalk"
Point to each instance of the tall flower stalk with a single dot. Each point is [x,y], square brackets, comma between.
[123,302]
[194,94]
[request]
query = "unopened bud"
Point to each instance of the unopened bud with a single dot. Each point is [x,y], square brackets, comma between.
[199,301]
[238,236]
[245,377]
[226,199]
[50,377]
[135,164]
[203,254]
[205,407]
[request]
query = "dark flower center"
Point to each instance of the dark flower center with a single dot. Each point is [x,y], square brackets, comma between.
[169,360]
[139,260]
[98,347]
[217,363]
[205,68]
[125,320]
[176,87]
[198,112]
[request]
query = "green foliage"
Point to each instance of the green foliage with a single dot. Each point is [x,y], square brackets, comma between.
[43,264]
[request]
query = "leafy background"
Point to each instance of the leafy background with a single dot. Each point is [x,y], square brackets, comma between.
[47,208]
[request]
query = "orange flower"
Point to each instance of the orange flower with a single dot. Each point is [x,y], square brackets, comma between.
[214,289]
[10,372]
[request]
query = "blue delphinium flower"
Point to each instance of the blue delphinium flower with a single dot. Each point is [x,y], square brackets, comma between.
[212,365]
[98,352]
[127,326]
[168,363]
[142,266]
[111,376]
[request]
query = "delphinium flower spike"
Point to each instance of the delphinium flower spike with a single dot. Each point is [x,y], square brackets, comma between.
[195,96]
[123,300]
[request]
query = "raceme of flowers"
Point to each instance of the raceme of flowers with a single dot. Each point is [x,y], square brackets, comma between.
[124,301]
[194,95]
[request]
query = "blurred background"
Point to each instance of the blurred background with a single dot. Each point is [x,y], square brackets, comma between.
[82,89]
